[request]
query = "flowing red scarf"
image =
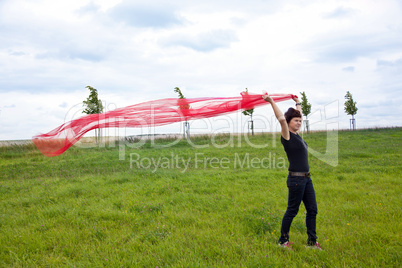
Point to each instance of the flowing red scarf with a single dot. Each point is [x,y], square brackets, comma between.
[151,113]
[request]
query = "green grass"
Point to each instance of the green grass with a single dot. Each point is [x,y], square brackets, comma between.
[87,208]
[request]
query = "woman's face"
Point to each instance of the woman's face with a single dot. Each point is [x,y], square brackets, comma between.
[295,124]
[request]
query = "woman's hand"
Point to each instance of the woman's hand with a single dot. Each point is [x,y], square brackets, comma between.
[298,105]
[267,98]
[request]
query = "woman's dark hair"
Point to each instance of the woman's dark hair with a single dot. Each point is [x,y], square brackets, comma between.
[291,112]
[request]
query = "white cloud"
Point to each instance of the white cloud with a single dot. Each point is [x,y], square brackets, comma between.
[203,42]
[340,12]
[348,69]
[145,15]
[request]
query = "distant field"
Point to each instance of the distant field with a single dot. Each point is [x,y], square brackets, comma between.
[217,202]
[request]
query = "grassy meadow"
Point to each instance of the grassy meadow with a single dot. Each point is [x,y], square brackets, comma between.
[217,202]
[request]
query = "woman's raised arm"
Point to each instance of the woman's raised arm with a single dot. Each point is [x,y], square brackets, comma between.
[279,115]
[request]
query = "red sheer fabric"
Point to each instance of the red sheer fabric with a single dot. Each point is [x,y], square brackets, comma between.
[151,113]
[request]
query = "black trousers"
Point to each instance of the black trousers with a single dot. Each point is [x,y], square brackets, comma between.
[300,189]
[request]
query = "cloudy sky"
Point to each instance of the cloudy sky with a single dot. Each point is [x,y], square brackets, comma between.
[134,51]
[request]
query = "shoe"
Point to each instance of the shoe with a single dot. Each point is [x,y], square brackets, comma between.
[315,246]
[286,245]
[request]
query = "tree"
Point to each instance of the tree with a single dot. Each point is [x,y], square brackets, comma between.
[183,105]
[93,106]
[250,113]
[306,109]
[350,109]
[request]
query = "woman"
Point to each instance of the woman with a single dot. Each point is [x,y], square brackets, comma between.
[298,182]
